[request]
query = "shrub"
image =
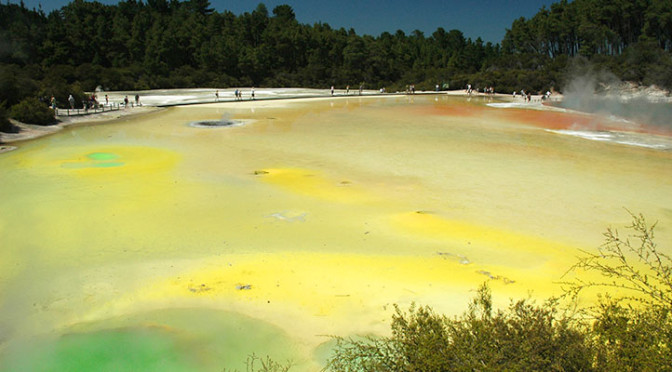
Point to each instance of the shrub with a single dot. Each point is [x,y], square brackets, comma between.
[633,331]
[631,339]
[639,269]
[258,364]
[32,111]
[5,125]
[628,333]
[16,84]
[526,337]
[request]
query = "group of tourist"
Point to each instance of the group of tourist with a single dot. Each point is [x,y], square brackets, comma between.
[527,96]
[87,103]
[347,89]
[90,102]
[127,102]
[237,93]
[470,90]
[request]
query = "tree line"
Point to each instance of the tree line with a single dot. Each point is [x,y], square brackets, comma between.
[137,45]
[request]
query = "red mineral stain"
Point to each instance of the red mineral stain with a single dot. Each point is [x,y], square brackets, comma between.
[461,109]
[556,120]
[577,121]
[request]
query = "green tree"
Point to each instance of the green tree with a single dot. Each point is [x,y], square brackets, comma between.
[354,59]
[15,84]
[21,31]
[5,125]
[143,44]
[32,111]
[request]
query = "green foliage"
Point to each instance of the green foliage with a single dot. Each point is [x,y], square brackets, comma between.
[634,36]
[140,45]
[16,83]
[637,268]
[629,333]
[32,111]
[526,337]
[5,125]
[257,364]
[631,339]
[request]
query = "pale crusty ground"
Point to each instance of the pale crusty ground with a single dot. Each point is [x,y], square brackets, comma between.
[30,131]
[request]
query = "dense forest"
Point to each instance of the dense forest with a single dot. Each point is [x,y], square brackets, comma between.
[181,44]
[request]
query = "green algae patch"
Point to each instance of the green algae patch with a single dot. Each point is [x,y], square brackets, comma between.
[96,160]
[102,156]
[103,160]
[114,350]
[108,165]
[113,160]
[166,340]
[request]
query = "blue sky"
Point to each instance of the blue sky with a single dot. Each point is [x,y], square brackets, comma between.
[487,19]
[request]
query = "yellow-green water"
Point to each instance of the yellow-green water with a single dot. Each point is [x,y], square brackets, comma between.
[308,220]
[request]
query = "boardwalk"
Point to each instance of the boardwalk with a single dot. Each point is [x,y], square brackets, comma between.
[80,112]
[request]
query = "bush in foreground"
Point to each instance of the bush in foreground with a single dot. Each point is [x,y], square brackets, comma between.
[5,125]
[32,111]
[258,364]
[629,333]
[525,337]
[632,332]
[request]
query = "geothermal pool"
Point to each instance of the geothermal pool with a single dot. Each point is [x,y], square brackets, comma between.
[152,244]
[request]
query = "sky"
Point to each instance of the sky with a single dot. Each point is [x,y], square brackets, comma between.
[487,19]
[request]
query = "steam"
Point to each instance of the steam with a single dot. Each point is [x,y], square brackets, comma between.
[602,93]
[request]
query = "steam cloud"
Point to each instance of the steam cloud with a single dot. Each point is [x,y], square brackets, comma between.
[602,93]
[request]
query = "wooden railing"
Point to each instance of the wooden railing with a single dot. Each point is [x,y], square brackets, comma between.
[94,110]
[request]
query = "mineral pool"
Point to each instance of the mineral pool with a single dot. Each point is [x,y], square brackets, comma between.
[155,245]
